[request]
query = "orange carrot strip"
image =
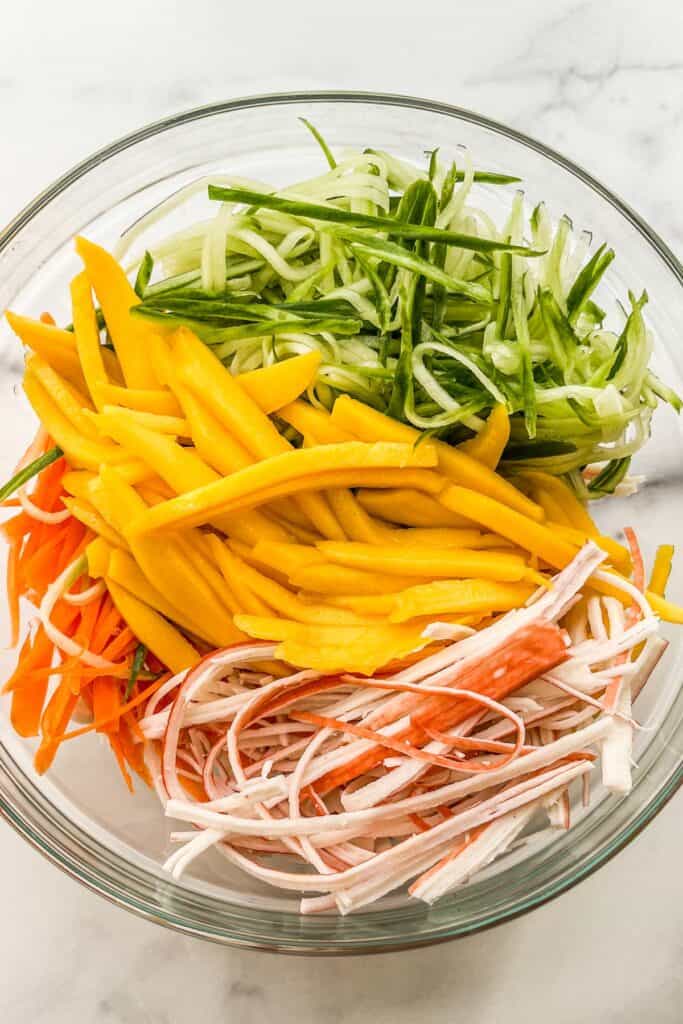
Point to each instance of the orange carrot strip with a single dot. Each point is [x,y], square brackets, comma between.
[135,702]
[115,744]
[27,707]
[106,700]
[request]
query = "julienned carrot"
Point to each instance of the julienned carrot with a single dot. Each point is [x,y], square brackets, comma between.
[106,700]
[525,656]
[13,560]
[117,747]
[53,723]
[121,710]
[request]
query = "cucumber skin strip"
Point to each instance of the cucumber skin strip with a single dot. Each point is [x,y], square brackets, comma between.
[28,472]
[315,211]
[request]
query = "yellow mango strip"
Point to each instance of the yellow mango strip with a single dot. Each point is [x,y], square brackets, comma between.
[80,451]
[73,404]
[425,562]
[540,540]
[87,335]
[409,508]
[463,596]
[193,550]
[271,387]
[563,494]
[203,373]
[661,570]
[226,454]
[225,559]
[169,570]
[88,515]
[280,599]
[183,470]
[299,534]
[289,511]
[372,604]
[315,422]
[370,425]
[618,554]
[163,403]
[336,648]
[124,570]
[666,610]
[176,426]
[551,506]
[320,514]
[354,520]
[56,346]
[286,558]
[447,537]
[98,554]
[158,635]
[164,564]
[213,441]
[341,580]
[135,471]
[129,334]
[288,473]
[489,444]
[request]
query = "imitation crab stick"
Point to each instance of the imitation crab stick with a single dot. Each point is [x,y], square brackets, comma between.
[129,334]
[489,444]
[523,657]
[370,425]
[284,474]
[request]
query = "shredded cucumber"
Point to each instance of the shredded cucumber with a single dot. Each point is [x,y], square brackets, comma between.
[418,302]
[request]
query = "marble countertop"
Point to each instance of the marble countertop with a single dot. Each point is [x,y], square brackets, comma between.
[601,82]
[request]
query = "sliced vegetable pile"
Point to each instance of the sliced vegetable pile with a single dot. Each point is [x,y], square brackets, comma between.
[419,304]
[266,549]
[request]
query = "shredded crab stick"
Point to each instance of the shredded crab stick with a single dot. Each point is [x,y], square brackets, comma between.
[350,656]
[278,773]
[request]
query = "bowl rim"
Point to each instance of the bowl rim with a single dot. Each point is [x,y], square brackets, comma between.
[9,809]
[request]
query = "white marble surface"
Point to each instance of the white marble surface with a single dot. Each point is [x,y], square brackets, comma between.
[602,82]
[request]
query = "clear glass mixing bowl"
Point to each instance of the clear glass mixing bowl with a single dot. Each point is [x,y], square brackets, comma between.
[80,815]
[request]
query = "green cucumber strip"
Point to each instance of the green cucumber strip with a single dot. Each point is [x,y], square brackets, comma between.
[608,479]
[315,211]
[135,669]
[563,340]
[28,472]
[400,257]
[327,152]
[587,281]
[484,177]
[144,273]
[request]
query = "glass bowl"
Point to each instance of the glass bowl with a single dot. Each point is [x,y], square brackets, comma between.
[80,815]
